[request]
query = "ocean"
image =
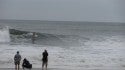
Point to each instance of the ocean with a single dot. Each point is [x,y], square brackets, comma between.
[71,45]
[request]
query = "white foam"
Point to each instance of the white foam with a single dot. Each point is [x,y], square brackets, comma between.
[69,58]
[4,34]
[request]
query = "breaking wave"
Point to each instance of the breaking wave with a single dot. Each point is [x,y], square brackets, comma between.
[4,35]
[18,36]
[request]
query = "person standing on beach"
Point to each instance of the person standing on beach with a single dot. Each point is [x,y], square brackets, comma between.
[17,59]
[45,59]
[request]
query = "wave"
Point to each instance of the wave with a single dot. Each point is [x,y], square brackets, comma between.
[18,36]
[4,35]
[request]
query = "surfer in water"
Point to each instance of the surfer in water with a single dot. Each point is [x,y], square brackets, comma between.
[33,37]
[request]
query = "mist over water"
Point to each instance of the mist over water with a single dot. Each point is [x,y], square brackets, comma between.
[4,35]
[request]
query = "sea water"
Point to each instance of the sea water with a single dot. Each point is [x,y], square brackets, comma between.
[71,45]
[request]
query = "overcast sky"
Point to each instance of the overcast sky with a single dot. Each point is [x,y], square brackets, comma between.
[64,10]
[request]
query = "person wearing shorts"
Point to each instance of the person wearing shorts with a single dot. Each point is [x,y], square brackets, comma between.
[17,59]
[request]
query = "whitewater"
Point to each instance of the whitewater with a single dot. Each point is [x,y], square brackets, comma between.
[71,45]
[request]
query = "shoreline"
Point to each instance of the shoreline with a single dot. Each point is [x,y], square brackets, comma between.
[66,69]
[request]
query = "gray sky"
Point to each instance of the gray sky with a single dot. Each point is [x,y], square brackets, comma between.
[64,10]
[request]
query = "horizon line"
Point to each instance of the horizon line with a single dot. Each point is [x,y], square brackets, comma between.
[59,20]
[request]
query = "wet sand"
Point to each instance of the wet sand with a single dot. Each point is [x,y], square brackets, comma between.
[60,69]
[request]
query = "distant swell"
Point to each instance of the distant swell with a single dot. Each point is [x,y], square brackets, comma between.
[18,36]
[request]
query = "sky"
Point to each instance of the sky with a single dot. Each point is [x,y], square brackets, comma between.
[64,10]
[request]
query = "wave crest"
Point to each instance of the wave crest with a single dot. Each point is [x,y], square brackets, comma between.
[18,36]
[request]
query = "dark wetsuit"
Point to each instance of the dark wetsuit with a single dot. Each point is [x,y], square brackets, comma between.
[33,37]
[26,64]
[45,57]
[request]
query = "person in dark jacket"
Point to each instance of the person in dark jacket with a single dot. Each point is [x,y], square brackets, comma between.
[17,59]
[26,64]
[45,59]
